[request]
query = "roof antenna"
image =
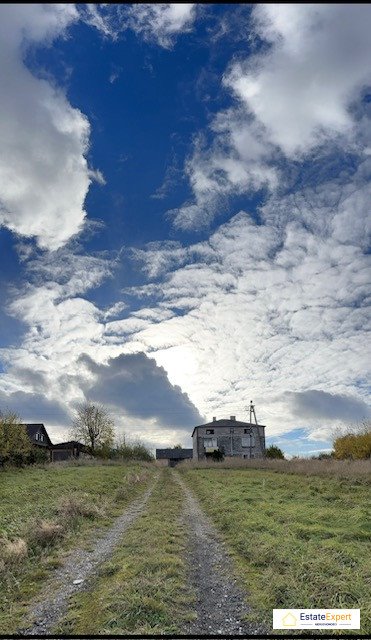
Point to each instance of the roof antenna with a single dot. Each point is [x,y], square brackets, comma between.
[252,413]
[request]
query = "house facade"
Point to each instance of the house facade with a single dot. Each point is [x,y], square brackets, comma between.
[39,438]
[230,438]
[66,450]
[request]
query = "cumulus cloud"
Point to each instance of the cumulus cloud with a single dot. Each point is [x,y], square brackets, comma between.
[302,88]
[44,175]
[135,385]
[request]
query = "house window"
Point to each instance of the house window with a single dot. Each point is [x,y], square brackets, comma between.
[232,429]
[42,437]
[210,442]
[247,430]
[37,436]
[209,431]
[248,441]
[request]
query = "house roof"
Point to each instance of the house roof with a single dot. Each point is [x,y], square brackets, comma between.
[69,444]
[34,428]
[227,422]
[173,454]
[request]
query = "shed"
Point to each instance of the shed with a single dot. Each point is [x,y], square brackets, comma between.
[174,456]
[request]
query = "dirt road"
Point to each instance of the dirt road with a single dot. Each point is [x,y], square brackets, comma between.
[220,604]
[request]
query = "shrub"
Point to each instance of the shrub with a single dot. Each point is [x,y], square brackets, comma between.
[355,444]
[274,452]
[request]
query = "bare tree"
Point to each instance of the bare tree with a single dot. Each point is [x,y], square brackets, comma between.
[93,425]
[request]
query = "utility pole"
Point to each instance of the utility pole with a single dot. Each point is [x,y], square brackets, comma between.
[252,413]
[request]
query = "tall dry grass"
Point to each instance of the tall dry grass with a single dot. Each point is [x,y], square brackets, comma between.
[334,468]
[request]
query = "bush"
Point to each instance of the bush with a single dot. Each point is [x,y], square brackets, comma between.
[274,452]
[353,446]
[133,451]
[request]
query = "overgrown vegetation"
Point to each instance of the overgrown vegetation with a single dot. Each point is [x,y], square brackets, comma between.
[45,511]
[355,444]
[15,446]
[303,466]
[297,541]
[126,450]
[142,588]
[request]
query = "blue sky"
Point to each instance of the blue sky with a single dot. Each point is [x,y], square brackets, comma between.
[184,211]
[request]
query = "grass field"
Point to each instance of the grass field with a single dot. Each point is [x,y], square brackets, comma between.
[298,541]
[142,589]
[47,510]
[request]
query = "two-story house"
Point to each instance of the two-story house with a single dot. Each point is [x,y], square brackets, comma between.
[232,438]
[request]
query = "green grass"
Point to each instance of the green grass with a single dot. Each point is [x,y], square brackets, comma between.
[297,542]
[142,589]
[31,497]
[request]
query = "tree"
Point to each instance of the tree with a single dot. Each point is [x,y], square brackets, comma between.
[177,446]
[274,452]
[94,426]
[15,446]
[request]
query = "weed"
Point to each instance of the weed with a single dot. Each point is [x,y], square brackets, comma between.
[45,532]
[72,506]
[13,552]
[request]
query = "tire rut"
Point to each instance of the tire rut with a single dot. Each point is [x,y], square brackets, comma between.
[79,565]
[220,604]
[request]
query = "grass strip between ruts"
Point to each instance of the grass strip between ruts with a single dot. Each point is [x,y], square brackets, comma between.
[143,588]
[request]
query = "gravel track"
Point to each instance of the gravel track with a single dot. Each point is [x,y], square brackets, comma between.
[220,604]
[79,565]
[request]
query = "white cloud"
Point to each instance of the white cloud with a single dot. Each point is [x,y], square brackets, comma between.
[302,88]
[161,22]
[299,94]
[44,176]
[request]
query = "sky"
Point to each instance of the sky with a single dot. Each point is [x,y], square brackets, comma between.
[184,217]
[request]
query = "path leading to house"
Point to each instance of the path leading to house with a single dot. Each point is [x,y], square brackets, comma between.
[221,604]
[78,567]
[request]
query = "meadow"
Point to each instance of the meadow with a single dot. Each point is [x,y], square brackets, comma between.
[47,510]
[298,533]
[298,539]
